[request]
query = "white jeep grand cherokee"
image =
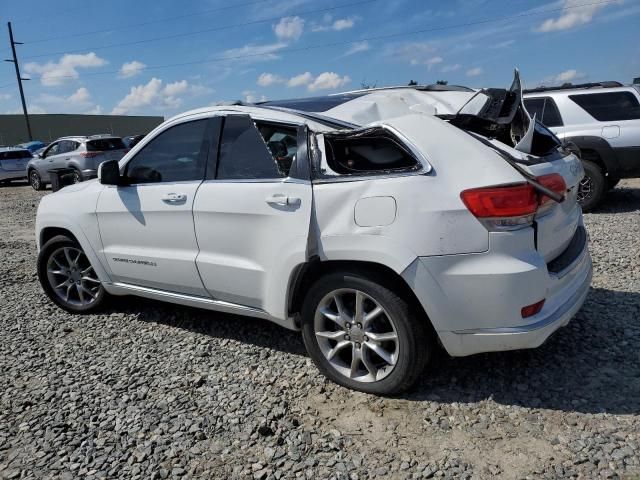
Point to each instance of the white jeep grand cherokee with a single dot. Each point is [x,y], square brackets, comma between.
[379,223]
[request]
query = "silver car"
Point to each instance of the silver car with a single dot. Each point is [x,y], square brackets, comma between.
[80,154]
[13,163]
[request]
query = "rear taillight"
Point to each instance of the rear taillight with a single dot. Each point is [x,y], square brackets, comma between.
[512,206]
[553,182]
[89,154]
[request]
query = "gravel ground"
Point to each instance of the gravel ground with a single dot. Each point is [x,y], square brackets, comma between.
[148,390]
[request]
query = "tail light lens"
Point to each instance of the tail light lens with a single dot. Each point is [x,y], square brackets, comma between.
[511,207]
[553,182]
[90,154]
[531,310]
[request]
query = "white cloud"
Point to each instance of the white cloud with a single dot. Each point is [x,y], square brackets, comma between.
[80,96]
[337,25]
[357,48]
[268,79]
[289,28]
[299,80]
[567,76]
[131,69]
[175,88]
[474,72]
[254,53]
[153,94]
[451,68]
[250,96]
[576,13]
[343,24]
[328,81]
[5,96]
[96,110]
[65,70]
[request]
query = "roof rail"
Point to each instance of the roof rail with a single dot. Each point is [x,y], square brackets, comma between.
[609,84]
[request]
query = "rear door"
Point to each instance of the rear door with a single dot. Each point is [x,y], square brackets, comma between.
[252,214]
[546,111]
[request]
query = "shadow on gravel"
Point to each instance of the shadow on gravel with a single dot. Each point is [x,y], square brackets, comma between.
[15,183]
[260,333]
[620,200]
[590,366]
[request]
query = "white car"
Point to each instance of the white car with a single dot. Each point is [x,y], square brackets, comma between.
[380,223]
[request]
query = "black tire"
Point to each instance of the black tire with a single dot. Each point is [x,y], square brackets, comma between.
[612,182]
[77,176]
[35,180]
[592,187]
[415,340]
[51,248]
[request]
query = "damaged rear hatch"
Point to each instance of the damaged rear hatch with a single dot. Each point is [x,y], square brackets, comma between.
[498,119]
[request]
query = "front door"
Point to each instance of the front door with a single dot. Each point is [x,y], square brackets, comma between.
[147,226]
[252,215]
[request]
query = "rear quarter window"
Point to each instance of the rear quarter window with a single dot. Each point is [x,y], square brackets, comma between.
[609,106]
[105,144]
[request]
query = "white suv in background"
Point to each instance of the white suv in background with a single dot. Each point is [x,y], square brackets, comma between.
[379,223]
[603,121]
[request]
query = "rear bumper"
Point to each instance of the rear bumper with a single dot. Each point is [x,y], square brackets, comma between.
[474,301]
[533,335]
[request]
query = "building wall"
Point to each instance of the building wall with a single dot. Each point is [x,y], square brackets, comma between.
[48,127]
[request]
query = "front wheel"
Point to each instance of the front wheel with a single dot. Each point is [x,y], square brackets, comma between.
[363,335]
[35,180]
[67,276]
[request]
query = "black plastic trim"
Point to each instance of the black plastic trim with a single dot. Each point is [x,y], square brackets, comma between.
[571,253]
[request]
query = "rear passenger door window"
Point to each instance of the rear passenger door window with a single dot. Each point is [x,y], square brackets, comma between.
[258,150]
[177,154]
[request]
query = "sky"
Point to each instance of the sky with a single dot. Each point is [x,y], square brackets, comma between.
[160,57]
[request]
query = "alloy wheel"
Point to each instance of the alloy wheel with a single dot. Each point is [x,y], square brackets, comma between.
[585,189]
[356,335]
[72,277]
[35,180]
[76,177]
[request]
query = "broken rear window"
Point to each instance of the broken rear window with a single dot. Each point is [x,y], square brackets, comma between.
[374,150]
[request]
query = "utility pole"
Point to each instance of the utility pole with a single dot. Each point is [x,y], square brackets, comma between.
[20,79]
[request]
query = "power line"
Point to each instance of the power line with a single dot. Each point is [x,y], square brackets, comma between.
[150,22]
[198,32]
[348,42]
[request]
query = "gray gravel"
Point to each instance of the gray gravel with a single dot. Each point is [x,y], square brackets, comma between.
[148,390]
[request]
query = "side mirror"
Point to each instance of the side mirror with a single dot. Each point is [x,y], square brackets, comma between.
[109,173]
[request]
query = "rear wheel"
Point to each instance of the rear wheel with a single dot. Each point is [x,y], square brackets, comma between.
[363,335]
[67,276]
[592,187]
[35,180]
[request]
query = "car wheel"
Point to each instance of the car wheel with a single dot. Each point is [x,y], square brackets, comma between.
[363,335]
[67,276]
[35,180]
[592,187]
[77,176]
[612,182]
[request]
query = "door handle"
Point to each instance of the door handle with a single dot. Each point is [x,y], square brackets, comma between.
[282,200]
[174,198]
